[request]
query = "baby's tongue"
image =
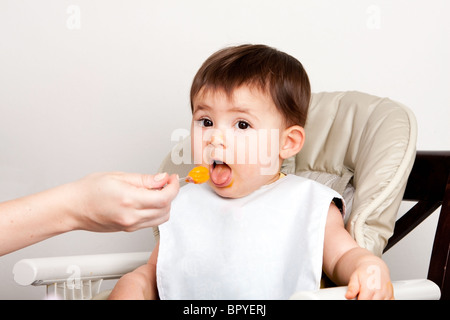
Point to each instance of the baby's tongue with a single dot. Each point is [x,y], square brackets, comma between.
[220,174]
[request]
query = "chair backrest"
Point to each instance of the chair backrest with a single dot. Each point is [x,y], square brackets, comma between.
[363,147]
[429,184]
[369,142]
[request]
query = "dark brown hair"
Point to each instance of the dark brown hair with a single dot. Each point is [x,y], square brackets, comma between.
[266,68]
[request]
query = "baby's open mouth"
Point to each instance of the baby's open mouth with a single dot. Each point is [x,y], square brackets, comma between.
[220,173]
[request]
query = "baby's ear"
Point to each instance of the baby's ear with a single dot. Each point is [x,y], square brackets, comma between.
[292,140]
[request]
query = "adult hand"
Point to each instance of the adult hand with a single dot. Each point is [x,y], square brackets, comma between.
[100,202]
[124,201]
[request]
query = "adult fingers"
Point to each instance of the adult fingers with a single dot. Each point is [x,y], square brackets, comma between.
[156,198]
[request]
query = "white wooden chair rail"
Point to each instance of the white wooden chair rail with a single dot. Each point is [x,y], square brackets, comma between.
[80,277]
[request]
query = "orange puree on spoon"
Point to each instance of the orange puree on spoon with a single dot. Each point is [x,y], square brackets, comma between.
[197,175]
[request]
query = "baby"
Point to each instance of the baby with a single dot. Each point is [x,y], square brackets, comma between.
[252,232]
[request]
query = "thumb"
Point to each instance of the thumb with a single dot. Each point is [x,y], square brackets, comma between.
[147,181]
[155,181]
[353,287]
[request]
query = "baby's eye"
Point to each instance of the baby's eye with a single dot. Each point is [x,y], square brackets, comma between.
[206,122]
[242,125]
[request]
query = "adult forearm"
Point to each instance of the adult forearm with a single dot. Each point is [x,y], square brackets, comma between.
[34,218]
[100,202]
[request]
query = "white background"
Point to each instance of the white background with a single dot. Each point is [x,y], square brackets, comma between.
[91,86]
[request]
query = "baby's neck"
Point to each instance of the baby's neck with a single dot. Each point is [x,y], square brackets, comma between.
[276,178]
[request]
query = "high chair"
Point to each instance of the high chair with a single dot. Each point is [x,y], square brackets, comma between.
[358,144]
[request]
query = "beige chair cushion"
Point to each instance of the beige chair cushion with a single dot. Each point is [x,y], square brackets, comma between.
[371,143]
[363,147]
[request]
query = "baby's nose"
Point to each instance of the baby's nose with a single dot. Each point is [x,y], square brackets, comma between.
[217,139]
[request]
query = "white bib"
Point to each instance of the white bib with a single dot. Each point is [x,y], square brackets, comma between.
[266,245]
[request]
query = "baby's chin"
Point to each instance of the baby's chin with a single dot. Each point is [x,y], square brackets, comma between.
[231,191]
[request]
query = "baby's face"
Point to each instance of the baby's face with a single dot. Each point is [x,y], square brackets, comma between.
[238,139]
